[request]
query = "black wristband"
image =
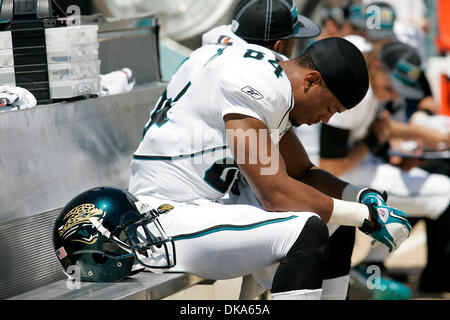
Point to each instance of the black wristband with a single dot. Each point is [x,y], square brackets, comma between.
[371,141]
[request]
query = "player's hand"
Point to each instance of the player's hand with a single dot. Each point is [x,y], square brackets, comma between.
[406,164]
[382,127]
[388,225]
[371,196]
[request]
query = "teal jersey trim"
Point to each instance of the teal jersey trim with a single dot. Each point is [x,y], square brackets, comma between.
[219,52]
[229,227]
[182,156]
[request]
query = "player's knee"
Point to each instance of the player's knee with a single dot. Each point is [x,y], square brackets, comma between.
[305,263]
[313,242]
[314,239]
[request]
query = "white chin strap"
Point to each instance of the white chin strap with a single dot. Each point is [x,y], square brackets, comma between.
[98,225]
[157,259]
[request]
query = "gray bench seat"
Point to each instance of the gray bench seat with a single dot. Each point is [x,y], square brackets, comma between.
[142,286]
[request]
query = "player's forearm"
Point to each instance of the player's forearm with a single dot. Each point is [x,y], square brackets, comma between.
[431,138]
[338,166]
[293,195]
[324,181]
[299,197]
[346,210]
[408,131]
[402,130]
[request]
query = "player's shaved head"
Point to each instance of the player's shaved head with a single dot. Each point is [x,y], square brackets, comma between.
[305,61]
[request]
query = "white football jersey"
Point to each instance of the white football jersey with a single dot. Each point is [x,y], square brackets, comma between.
[184,154]
[225,36]
[222,35]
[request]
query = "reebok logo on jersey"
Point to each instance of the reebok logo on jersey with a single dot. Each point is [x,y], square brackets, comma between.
[252,92]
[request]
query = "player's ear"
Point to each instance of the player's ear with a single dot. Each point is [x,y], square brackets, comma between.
[311,79]
[277,46]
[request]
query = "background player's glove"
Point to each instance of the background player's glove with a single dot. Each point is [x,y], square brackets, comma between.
[372,196]
[389,226]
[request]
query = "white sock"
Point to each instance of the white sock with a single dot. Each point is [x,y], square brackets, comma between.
[335,289]
[304,294]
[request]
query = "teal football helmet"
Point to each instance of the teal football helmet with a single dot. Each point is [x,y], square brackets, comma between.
[108,234]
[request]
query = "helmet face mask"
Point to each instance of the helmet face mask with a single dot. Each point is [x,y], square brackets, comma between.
[106,233]
[144,238]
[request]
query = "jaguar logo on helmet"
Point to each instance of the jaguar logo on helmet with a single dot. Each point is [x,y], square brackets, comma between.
[109,234]
[79,216]
[164,208]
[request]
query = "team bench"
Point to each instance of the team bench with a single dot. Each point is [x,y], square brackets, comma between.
[51,153]
[31,270]
[142,286]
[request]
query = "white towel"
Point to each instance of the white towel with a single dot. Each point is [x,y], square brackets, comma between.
[116,82]
[15,98]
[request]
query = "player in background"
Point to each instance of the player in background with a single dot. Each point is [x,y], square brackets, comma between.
[250,21]
[350,146]
[404,101]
